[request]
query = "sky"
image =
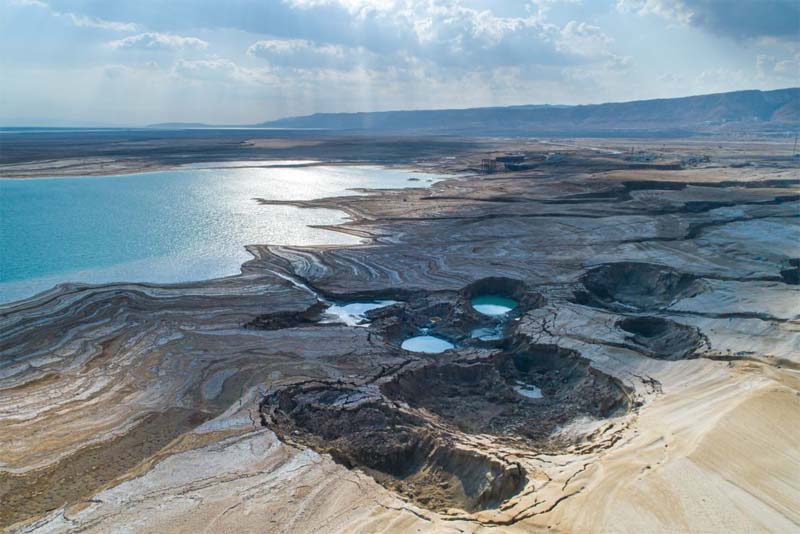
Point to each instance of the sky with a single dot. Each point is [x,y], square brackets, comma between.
[135,62]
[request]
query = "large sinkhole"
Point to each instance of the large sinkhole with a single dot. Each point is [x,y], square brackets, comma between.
[400,450]
[499,296]
[662,338]
[414,433]
[791,275]
[638,286]
[494,396]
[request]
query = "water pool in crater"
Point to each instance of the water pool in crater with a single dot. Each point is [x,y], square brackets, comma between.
[528,390]
[493,304]
[429,344]
[353,314]
[167,226]
[487,334]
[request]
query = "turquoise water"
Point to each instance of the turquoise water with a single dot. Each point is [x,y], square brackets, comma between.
[162,227]
[493,304]
[429,344]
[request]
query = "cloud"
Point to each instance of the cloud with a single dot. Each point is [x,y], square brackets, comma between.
[82,21]
[770,67]
[671,78]
[747,18]
[261,58]
[740,19]
[35,3]
[449,33]
[221,70]
[158,41]
[396,33]
[453,34]
[721,79]
[615,62]
[583,39]
[301,53]
[668,9]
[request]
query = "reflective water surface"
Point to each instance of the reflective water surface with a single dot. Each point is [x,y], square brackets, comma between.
[429,344]
[353,314]
[528,390]
[493,304]
[168,226]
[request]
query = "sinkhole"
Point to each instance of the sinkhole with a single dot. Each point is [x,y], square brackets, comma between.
[493,305]
[426,344]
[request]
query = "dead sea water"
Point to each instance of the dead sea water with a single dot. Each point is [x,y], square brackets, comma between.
[168,226]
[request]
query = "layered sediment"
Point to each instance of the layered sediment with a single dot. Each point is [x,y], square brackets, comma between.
[657,322]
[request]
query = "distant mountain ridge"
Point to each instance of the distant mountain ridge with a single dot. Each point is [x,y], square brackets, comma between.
[777,109]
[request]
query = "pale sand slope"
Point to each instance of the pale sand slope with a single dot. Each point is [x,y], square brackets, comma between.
[718,451]
[716,454]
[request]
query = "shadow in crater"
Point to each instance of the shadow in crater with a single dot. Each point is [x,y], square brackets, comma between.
[627,286]
[661,338]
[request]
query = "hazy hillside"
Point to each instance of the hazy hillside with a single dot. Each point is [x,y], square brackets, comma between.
[777,109]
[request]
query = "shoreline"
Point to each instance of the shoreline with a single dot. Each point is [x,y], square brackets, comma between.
[153,169]
[172,150]
[339,227]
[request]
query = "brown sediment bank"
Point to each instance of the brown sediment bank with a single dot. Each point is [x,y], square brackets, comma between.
[103,153]
[655,315]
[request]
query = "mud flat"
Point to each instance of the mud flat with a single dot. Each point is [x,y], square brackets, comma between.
[647,378]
